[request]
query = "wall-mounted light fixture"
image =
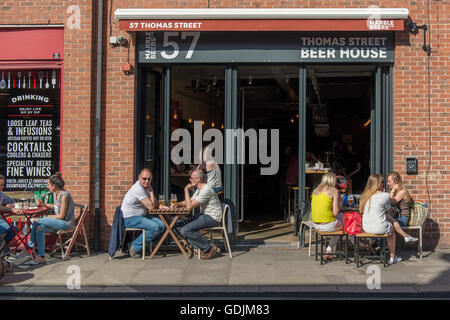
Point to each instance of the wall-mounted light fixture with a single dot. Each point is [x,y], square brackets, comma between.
[414,29]
[250,79]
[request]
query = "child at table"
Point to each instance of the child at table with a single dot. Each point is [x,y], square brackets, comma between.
[63,219]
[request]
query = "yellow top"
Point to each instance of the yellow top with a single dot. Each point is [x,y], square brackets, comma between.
[322,208]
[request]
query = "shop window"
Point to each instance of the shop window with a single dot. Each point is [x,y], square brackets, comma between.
[30,108]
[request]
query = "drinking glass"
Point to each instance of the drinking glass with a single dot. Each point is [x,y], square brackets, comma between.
[173,198]
[162,200]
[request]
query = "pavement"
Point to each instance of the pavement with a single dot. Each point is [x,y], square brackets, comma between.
[269,271]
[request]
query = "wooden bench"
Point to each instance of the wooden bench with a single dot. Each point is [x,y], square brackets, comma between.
[322,235]
[383,251]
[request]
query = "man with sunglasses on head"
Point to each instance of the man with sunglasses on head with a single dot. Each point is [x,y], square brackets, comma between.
[135,205]
[210,209]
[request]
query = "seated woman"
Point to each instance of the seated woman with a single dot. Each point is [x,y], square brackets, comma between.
[375,204]
[401,198]
[63,219]
[325,209]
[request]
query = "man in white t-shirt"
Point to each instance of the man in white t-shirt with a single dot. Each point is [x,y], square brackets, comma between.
[210,209]
[135,204]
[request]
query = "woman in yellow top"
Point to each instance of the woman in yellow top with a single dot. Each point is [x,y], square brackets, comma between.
[325,209]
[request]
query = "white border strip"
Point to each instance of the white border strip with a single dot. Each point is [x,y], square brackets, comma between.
[278,13]
[31,25]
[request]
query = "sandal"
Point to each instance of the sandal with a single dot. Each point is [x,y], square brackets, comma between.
[327,257]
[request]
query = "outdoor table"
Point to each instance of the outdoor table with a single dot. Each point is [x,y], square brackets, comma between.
[27,216]
[165,216]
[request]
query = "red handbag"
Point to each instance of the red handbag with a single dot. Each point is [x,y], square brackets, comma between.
[352,223]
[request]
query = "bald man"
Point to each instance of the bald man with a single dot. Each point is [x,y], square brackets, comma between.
[210,209]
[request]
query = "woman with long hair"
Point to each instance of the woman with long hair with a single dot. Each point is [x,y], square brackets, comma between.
[63,219]
[400,198]
[325,209]
[375,204]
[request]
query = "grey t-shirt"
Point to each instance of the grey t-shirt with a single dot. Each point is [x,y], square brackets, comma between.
[209,202]
[70,215]
[131,204]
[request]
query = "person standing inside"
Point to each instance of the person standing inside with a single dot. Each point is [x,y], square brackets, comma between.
[135,205]
[210,213]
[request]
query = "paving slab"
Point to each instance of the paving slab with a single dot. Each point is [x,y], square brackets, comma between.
[264,271]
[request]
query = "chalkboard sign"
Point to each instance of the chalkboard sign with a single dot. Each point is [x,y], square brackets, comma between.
[30,127]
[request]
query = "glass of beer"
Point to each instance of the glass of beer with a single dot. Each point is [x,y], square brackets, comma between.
[162,200]
[173,198]
[350,200]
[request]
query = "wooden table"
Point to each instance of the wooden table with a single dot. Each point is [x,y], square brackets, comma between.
[27,216]
[171,216]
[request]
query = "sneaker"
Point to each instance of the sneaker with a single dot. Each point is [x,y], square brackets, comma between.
[37,260]
[134,253]
[23,253]
[411,239]
[395,260]
[209,254]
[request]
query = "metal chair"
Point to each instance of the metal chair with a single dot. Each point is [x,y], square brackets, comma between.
[143,239]
[223,229]
[417,224]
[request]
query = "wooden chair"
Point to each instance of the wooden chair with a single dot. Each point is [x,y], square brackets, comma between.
[383,252]
[322,235]
[223,229]
[79,228]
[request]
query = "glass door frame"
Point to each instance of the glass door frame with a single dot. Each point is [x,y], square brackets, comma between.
[381,140]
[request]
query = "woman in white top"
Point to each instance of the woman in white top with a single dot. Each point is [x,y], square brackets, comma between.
[375,205]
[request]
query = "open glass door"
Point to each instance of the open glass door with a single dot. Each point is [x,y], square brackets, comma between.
[148,137]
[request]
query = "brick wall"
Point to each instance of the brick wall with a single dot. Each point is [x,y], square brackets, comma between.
[421,99]
[77,101]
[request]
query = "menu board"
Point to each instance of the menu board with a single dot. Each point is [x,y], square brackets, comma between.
[30,127]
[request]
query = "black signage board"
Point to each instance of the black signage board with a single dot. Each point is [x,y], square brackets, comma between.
[265,47]
[30,128]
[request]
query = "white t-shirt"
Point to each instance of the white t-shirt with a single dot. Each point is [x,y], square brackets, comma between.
[209,202]
[131,204]
[374,218]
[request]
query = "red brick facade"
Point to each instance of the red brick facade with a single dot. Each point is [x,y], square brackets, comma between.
[421,99]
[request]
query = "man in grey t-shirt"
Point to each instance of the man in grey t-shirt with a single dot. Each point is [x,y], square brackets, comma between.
[135,204]
[211,213]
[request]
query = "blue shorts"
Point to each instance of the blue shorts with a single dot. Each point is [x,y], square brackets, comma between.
[402,221]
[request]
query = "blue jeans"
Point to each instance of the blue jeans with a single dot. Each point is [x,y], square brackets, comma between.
[153,227]
[191,234]
[402,221]
[47,225]
[5,228]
